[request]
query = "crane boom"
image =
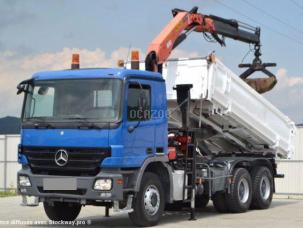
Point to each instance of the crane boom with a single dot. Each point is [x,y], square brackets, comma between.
[184,22]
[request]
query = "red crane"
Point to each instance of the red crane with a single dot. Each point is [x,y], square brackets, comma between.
[184,22]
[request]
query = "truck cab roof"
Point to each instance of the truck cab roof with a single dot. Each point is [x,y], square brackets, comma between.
[95,73]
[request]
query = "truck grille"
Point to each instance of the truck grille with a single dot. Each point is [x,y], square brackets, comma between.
[81,161]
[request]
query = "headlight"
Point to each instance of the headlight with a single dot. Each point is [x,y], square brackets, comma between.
[24,181]
[103,184]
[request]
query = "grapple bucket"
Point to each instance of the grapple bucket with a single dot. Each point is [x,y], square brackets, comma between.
[262,85]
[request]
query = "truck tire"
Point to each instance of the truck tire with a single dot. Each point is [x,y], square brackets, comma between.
[148,204]
[219,201]
[201,201]
[240,196]
[263,185]
[62,211]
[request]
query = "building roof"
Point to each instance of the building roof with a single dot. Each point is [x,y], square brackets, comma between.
[94,73]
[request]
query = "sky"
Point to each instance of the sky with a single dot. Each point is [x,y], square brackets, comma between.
[42,35]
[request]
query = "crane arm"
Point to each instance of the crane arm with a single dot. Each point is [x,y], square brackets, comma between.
[184,22]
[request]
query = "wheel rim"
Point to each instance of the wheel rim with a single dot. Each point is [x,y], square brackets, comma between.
[243,190]
[151,200]
[265,188]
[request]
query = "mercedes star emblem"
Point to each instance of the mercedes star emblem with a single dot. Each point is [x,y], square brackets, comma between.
[61,157]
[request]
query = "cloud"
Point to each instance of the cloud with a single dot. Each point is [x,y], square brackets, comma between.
[15,67]
[286,81]
[287,95]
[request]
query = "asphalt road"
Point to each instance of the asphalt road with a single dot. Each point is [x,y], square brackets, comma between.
[283,213]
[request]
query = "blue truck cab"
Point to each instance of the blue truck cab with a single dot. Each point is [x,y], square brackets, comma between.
[88,136]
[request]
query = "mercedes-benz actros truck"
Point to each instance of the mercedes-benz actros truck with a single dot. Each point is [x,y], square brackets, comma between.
[175,134]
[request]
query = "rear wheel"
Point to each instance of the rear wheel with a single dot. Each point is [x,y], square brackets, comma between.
[62,211]
[262,188]
[240,196]
[219,201]
[148,205]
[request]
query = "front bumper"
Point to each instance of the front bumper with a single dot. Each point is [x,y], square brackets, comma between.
[83,193]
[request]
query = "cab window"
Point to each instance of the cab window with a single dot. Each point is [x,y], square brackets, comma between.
[139,102]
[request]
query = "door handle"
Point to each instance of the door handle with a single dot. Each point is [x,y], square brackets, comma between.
[131,128]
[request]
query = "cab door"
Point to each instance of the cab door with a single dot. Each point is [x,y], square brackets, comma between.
[139,130]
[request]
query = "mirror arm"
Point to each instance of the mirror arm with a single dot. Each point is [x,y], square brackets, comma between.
[24,83]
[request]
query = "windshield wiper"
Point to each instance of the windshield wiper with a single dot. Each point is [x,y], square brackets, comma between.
[85,124]
[40,122]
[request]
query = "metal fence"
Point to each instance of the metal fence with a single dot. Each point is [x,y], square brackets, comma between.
[8,161]
[292,184]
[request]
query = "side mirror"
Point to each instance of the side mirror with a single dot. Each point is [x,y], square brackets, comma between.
[21,88]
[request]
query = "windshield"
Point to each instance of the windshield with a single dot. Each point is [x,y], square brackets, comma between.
[74,99]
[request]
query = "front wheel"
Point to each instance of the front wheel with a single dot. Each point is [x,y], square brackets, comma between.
[148,205]
[62,211]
